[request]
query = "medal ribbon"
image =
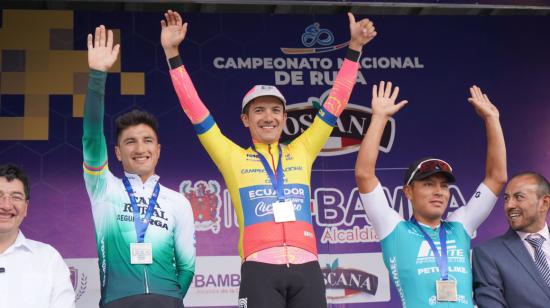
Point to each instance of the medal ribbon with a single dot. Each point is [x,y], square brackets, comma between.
[440,259]
[140,224]
[277,180]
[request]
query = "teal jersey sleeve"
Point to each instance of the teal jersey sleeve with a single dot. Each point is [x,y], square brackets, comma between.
[94,145]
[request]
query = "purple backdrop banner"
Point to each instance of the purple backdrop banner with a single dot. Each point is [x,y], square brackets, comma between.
[434,60]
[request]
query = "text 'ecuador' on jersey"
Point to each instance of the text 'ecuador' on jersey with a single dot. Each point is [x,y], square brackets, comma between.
[250,187]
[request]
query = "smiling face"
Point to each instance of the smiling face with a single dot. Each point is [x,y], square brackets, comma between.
[138,150]
[430,198]
[13,207]
[265,119]
[525,210]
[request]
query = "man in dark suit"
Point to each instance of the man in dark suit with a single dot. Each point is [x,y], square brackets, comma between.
[513,270]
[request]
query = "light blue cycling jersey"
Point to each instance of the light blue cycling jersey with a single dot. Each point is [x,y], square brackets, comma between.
[408,257]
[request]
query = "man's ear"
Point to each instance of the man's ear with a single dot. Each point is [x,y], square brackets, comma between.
[244,118]
[407,189]
[117,153]
[545,203]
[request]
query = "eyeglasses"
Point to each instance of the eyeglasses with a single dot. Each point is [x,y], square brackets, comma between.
[13,199]
[430,165]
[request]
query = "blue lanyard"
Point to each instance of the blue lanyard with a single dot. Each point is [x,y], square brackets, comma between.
[440,259]
[141,224]
[277,180]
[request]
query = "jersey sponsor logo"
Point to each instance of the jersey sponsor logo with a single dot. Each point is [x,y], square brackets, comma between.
[205,199]
[263,209]
[350,128]
[454,253]
[257,202]
[290,192]
[158,219]
[396,280]
[351,281]
[79,282]
[252,170]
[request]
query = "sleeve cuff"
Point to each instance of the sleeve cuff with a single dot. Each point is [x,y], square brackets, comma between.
[327,117]
[97,81]
[353,55]
[175,62]
[205,125]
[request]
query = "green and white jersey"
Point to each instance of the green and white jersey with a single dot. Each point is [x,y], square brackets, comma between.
[409,258]
[171,228]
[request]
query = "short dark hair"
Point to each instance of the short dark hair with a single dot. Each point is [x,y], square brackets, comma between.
[133,118]
[543,188]
[13,172]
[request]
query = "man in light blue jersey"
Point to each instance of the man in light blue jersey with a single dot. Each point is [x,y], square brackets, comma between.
[144,231]
[428,258]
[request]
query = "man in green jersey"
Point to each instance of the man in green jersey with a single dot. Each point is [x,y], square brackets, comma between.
[144,231]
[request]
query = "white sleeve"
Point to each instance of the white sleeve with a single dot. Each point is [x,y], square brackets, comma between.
[62,293]
[379,213]
[478,208]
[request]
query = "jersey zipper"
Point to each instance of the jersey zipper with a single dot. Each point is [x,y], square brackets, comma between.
[283,224]
[146,279]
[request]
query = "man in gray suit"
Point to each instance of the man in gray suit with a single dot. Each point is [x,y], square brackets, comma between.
[513,270]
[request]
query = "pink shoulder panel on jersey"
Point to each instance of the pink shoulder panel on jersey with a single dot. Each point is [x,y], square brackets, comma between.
[189,99]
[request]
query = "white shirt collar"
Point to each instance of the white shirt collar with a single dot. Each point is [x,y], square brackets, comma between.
[20,241]
[542,232]
[135,180]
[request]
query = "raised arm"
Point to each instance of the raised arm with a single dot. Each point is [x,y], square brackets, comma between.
[313,139]
[101,57]
[172,34]
[478,208]
[383,107]
[361,32]
[495,165]
[382,217]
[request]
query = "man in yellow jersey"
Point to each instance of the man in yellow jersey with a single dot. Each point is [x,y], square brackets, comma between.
[269,183]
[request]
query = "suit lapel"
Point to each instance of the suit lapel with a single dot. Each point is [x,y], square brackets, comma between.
[515,245]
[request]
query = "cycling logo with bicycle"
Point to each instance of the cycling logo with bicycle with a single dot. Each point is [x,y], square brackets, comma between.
[315,40]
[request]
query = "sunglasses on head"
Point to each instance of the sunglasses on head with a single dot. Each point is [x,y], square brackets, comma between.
[430,165]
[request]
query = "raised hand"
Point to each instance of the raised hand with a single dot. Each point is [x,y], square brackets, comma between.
[483,106]
[361,32]
[101,53]
[383,100]
[173,33]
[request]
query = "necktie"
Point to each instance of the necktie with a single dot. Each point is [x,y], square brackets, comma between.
[540,259]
